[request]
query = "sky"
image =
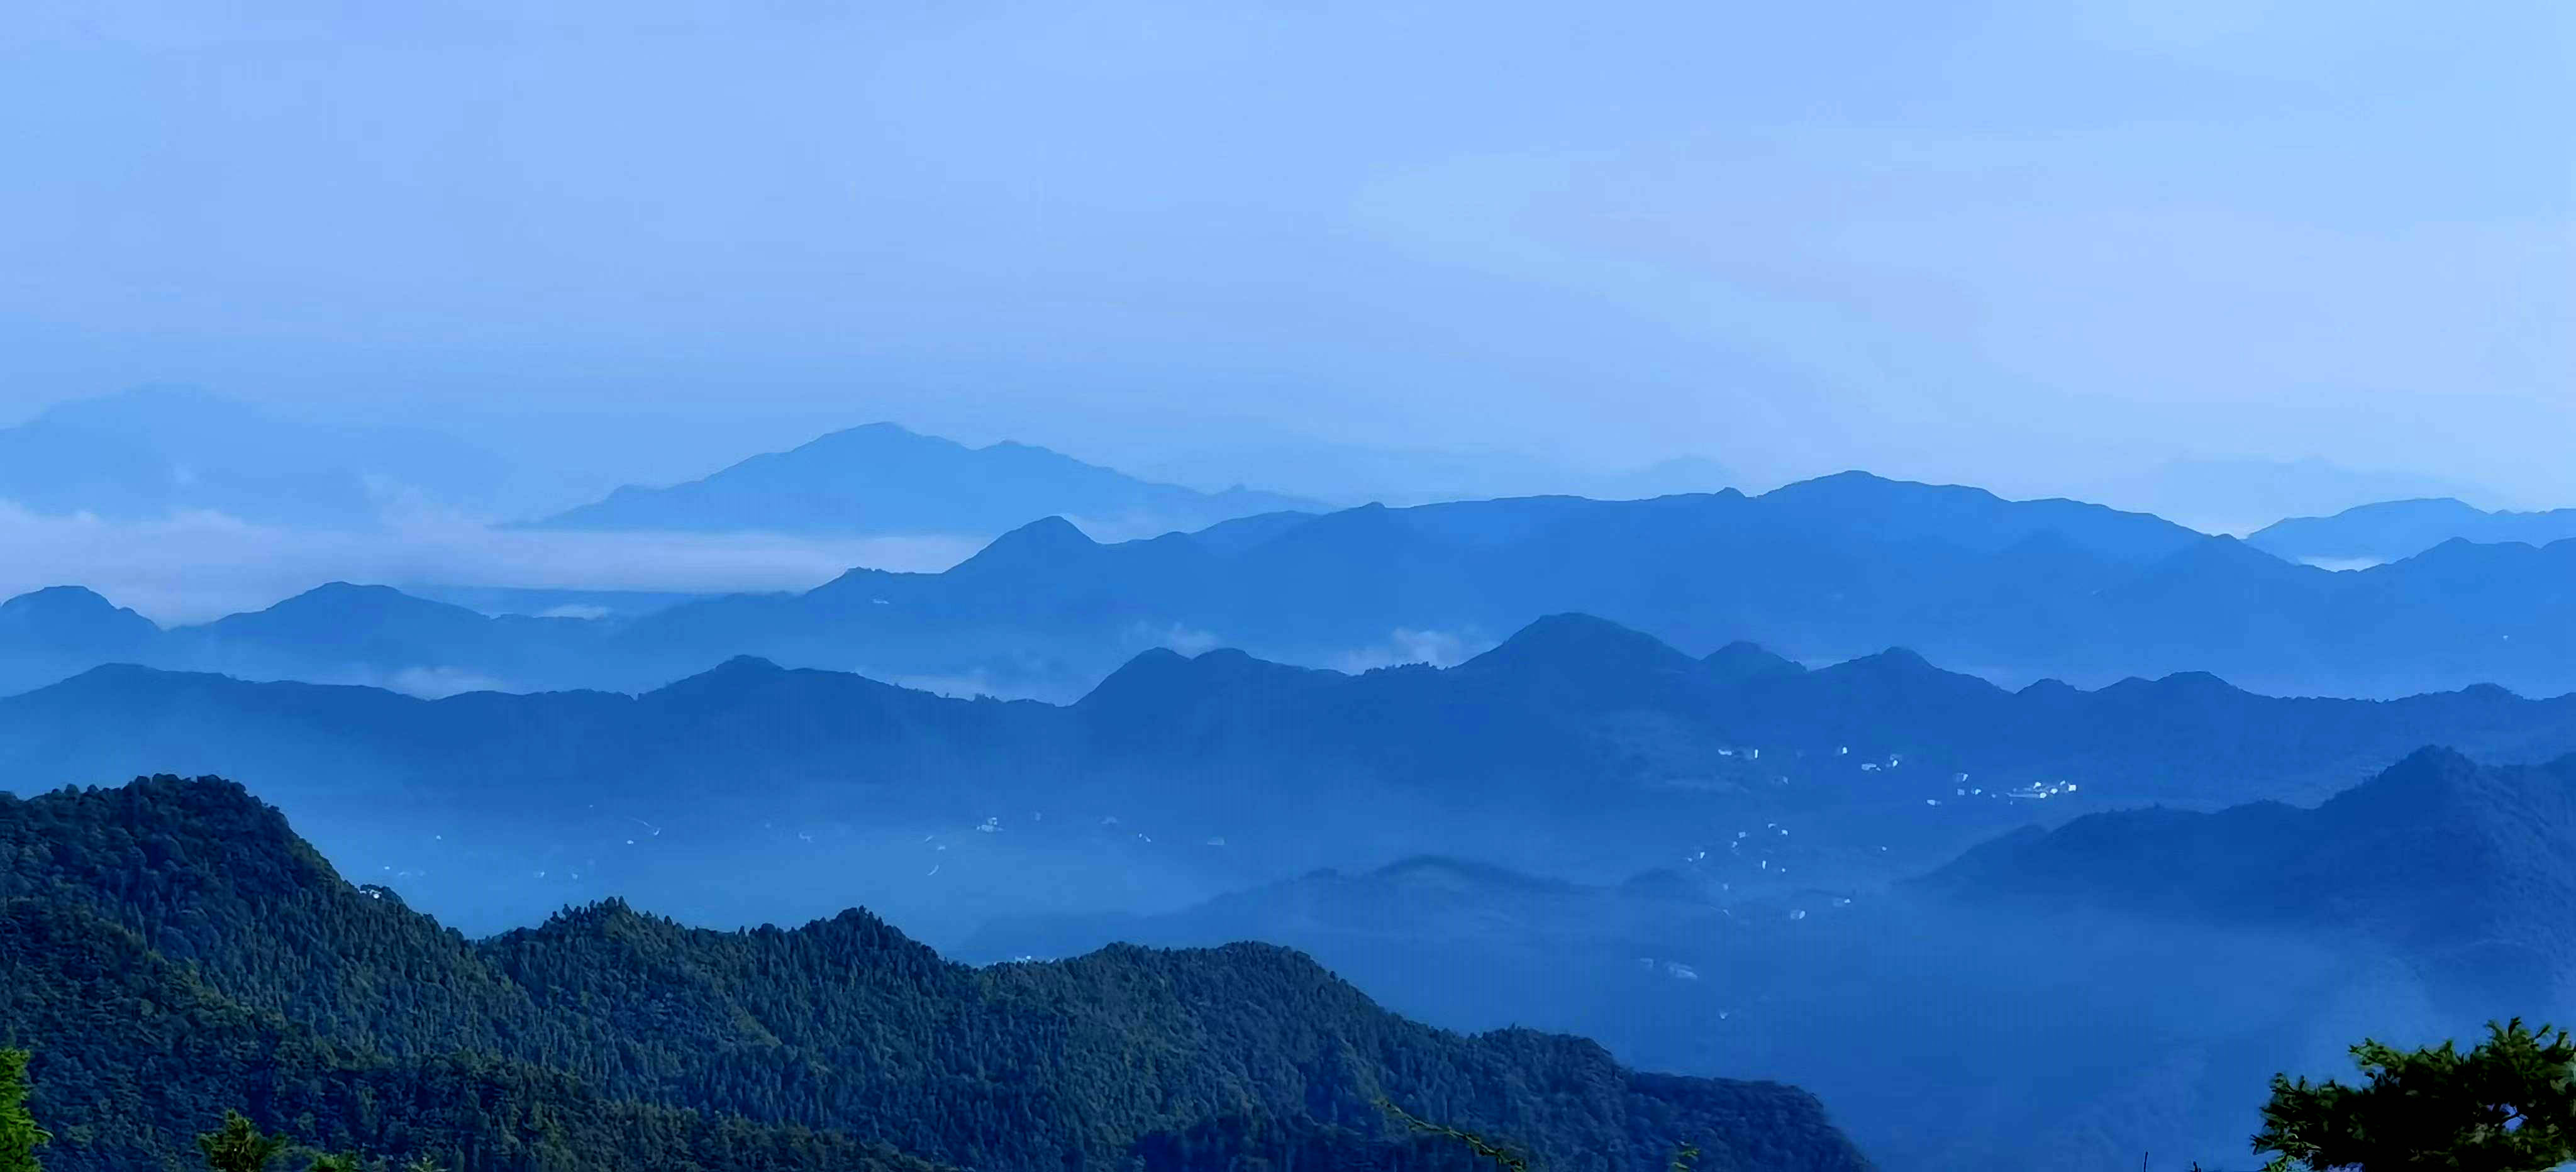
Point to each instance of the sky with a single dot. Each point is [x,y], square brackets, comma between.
[2039,246]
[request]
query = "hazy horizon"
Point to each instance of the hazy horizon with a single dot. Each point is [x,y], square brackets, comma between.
[764,584]
[2044,250]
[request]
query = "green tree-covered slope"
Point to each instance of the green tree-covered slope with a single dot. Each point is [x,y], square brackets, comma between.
[171,950]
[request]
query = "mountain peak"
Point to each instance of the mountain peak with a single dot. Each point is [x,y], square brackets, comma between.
[882,427]
[72,618]
[55,603]
[886,478]
[350,598]
[60,599]
[2411,790]
[1044,544]
[867,440]
[1581,643]
[2389,531]
[1899,675]
[1160,680]
[1742,661]
[1966,517]
[1895,663]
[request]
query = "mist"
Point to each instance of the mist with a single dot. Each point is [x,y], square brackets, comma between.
[2045,248]
[1748,534]
[195,567]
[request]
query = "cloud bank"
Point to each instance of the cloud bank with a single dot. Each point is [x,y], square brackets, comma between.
[193,567]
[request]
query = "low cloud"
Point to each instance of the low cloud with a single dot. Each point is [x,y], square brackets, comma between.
[2341,565]
[1404,645]
[1184,639]
[191,567]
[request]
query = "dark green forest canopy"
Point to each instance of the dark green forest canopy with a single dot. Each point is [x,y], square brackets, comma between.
[170,950]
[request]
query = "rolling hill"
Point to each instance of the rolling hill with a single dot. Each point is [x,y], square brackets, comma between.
[1826,570]
[754,792]
[2394,530]
[2459,866]
[883,479]
[172,950]
[2125,979]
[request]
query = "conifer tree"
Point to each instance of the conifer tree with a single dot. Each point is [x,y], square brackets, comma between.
[239,1146]
[19,1135]
[2508,1105]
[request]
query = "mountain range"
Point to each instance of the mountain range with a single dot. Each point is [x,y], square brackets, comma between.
[2462,867]
[1352,473]
[734,794]
[170,950]
[883,479]
[154,451]
[1818,571]
[2126,978]
[2238,495]
[2393,530]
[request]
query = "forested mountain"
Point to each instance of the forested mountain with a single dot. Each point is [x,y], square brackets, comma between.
[2460,866]
[334,633]
[884,479]
[2128,979]
[2392,530]
[66,626]
[1818,571]
[173,950]
[735,794]
[1945,1040]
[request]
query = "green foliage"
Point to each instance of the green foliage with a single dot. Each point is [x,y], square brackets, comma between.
[240,1146]
[177,952]
[1505,1157]
[2508,1105]
[1684,1156]
[19,1135]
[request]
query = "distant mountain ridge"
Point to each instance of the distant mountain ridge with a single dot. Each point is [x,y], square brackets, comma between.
[2125,974]
[2224,495]
[2462,865]
[881,478]
[152,452]
[1818,571]
[177,936]
[2394,530]
[1577,740]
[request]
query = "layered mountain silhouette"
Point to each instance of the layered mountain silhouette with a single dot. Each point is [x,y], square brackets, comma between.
[1355,472]
[172,950]
[1818,571]
[2223,495]
[1577,740]
[337,632]
[1821,570]
[884,479]
[2392,530]
[154,451]
[2461,866]
[2133,972]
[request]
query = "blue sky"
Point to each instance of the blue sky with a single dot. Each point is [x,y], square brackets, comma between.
[2037,246]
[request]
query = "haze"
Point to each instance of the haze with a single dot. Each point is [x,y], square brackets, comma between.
[765,584]
[2040,247]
